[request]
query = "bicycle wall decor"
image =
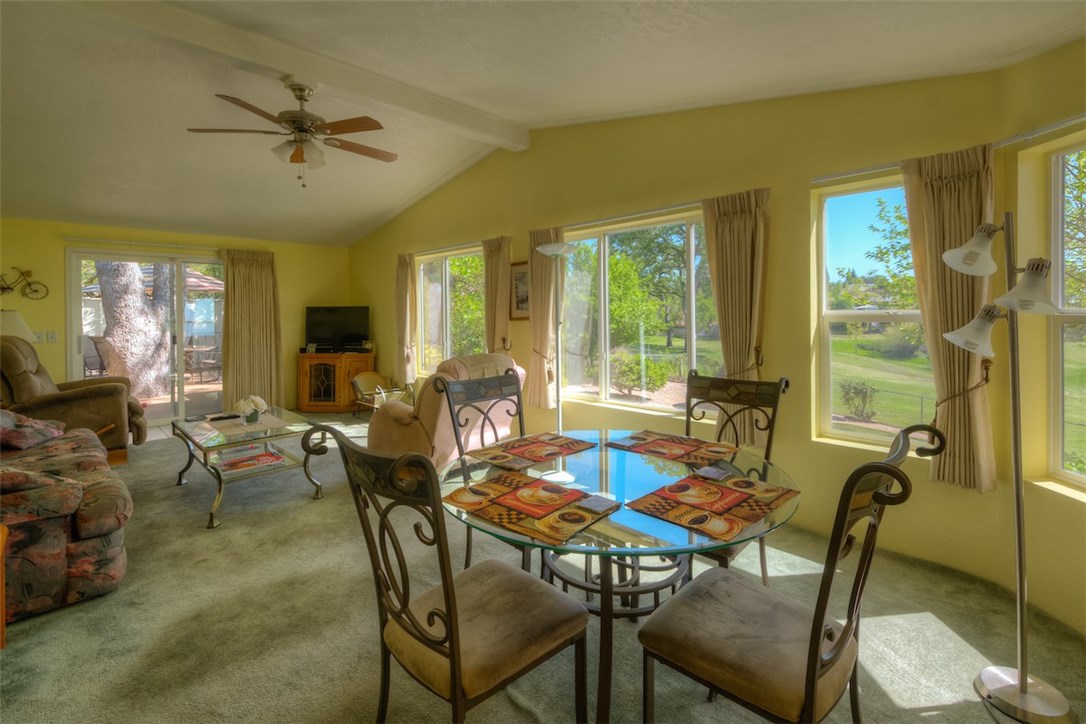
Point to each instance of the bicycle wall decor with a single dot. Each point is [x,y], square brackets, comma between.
[32,289]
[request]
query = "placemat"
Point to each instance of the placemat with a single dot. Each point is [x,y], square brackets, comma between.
[720,509]
[545,511]
[675,447]
[524,451]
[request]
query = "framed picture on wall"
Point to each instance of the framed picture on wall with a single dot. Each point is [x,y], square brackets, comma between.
[518,290]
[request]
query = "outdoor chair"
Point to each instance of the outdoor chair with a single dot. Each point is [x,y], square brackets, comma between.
[474,632]
[743,409]
[773,655]
[482,411]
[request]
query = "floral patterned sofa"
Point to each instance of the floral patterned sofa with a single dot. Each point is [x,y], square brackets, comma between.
[65,511]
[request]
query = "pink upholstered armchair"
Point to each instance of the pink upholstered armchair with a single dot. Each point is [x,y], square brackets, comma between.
[397,428]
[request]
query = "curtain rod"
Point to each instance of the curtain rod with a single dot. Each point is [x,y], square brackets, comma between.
[1017,138]
[152,244]
[625,217]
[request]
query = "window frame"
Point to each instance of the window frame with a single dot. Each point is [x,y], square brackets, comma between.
[1062,317]
[447,342]
[601,232]
[824,383]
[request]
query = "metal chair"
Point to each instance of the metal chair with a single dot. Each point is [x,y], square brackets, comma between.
[476,631]
[742,407]
[773,655]
[482,411]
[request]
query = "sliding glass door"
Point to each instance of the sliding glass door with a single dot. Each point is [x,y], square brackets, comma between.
[155,320]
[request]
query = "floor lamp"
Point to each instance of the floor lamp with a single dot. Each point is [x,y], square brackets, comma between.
[557,251]
[1011,690]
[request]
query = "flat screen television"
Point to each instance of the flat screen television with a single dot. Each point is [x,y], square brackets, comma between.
[337,329]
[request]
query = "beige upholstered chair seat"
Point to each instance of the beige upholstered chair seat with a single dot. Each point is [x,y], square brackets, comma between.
[745,638]
[497,639]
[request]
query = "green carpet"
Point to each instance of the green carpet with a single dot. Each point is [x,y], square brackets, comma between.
[270,618]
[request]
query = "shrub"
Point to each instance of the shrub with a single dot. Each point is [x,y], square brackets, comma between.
[858,397]
[903,343]
[626,373]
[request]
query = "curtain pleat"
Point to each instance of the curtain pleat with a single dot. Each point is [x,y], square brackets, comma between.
[496,262]
[252,342]
[406,318]
[538,391]
[948,196]
[736,234]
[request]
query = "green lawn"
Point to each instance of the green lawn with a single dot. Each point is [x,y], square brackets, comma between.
[904,390]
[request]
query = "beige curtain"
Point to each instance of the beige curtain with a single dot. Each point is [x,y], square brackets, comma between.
[406,318]
[496,258]
[736,234]
[948,196]
[538,391]
[252,349]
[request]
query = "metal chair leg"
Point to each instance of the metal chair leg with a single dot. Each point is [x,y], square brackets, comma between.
[580,653]
[467,548]
[648,692]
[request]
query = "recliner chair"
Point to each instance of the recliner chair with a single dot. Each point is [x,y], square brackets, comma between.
[102,404]
[426,427]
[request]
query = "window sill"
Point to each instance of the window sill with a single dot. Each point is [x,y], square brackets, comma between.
[1069,490]
[854,444]
[595,402]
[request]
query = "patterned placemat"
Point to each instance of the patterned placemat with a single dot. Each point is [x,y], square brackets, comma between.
[675,447]
[545,511]
[525,451]
[720,509]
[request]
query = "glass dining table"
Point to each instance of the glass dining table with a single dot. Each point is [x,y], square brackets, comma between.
[619,541]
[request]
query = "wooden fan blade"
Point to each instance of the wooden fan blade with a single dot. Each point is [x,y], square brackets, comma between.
[360,149]
[348,125]
[234,130]
[249,107]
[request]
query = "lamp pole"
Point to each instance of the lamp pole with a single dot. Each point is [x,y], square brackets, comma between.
[1013,691]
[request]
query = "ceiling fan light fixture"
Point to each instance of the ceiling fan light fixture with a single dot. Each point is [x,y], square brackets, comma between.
[313,155]
[283,151]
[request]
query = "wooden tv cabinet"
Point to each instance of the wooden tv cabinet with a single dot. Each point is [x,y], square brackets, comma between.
[324,379]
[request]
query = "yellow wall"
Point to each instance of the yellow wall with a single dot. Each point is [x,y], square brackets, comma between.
[582,173]
[308,275]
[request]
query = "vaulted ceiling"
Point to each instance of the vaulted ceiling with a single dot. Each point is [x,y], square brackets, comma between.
[96,97]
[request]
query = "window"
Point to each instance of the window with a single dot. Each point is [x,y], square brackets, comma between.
[654,319]
[451,290]
[1069,286]
[875,376]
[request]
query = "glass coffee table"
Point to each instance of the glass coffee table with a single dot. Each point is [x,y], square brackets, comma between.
[231,449]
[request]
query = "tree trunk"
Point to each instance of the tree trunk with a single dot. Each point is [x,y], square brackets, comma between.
[137,325]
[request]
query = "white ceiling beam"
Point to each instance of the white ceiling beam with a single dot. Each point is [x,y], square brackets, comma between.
[277,59]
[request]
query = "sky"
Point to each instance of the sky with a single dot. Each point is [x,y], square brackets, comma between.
[847,236]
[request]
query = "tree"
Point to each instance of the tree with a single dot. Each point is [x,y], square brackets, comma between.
[899,285]
[137,323]
[1074,230]
[467,290]
[659,254]
[633,312]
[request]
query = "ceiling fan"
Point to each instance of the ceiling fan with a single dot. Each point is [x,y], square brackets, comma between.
[303,128]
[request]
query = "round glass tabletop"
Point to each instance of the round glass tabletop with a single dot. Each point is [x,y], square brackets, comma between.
[625,476]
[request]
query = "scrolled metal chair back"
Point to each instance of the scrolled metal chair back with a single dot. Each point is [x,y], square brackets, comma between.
[393,495]
[479,408]
[869,490]
[740,406]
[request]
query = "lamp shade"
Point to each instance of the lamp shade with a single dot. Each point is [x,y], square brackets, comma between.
[559,248]
[1030,294]
[974,257]
[314,156]
[12,323]
[283,151]
[977,335]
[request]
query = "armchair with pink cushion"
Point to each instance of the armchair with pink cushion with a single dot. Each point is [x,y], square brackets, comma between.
[425,427]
